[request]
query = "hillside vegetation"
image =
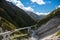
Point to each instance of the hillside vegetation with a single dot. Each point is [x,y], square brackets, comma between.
[15,15]
[55,13]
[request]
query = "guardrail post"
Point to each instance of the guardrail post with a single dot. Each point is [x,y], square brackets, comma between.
[29,29]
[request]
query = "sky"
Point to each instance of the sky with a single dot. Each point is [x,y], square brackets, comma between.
[39,7]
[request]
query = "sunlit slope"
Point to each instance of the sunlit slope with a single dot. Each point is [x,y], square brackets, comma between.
[50,24]
[55,13]
[6,25]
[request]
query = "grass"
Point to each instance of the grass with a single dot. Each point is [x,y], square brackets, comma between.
[10,25]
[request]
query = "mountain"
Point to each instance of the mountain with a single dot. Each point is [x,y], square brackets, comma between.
[15,15]
[40,17]
[49,25]
[35,16]
[50,16]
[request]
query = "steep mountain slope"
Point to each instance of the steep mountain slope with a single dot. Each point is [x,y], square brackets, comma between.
[49,28]
[35,16]
[15,15]
[49,25]
[50,16]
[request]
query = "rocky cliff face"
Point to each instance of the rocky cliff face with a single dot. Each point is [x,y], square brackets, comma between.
[49,25]
[49,28]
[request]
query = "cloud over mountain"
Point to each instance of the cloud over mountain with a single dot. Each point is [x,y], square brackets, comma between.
[41,13]
[29,8]
[20,5]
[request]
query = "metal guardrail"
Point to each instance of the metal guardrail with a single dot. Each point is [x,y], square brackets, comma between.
[17,30]
[8,33]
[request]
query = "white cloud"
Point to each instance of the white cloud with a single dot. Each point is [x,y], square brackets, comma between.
[40,2]
[20,5]
[41,13]
[17,3]
[58,6]
[29,9]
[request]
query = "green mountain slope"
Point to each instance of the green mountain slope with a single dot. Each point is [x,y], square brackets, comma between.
[55,13]
[15,15]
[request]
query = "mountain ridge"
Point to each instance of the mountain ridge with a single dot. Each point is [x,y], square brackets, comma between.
[15,15]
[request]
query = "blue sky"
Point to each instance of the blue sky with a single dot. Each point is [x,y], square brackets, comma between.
[48,7]
[37,6]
